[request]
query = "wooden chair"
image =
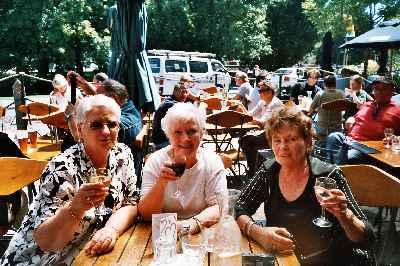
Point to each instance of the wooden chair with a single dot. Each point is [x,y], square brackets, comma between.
[374,187]
[223,121]
[211,90]
[17,173]
[339,105]
[213,103]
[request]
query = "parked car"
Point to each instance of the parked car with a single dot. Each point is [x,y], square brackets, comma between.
[289,76]
[168,66]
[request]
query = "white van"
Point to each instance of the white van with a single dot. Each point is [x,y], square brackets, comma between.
[168,66]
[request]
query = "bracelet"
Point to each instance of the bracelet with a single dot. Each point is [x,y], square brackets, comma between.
[72,214]
[197,222]
[249,228]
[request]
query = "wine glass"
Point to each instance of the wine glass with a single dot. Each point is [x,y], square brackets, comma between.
[178,165]
[321,188]
[388,136]
[101,175]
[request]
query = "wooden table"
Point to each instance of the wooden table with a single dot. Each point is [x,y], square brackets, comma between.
[385,156]
[134,248]
[45,150]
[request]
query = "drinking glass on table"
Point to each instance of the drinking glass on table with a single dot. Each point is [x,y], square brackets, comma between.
[101,175]
[321,188]
[388,136]
[396,144]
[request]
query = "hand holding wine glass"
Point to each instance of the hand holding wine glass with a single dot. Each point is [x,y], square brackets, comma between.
[322,188]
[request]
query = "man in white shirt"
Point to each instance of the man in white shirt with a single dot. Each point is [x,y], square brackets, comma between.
[245,89]
[254,97]
[267,104]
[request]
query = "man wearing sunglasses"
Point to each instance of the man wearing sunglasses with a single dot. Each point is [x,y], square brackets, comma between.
[369,123]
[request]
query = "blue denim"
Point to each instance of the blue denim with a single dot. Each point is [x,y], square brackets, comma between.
[337,141]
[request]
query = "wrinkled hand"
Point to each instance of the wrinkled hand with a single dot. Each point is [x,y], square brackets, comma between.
[102,242]
[336,203]
[278,240]
[89,195]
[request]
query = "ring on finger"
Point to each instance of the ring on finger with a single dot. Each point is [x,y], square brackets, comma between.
[88,199]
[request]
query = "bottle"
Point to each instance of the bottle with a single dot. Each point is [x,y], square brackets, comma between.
[227,250]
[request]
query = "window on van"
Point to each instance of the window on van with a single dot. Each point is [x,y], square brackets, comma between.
[217,67]
[198,67]
[175,66]
[155,65]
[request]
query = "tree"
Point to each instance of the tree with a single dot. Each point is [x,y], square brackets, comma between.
[229,28]
[291,33]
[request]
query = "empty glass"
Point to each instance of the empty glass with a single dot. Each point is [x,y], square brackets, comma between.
[321,188]
[193,248]
[165,251]
[396,144]
[101,175]
[388,137]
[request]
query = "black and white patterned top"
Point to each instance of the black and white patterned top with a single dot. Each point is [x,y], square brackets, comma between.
[60,181]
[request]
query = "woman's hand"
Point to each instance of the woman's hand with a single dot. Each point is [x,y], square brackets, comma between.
[102,242]
[89,195]
[336,203]
[277,239]
[167,174]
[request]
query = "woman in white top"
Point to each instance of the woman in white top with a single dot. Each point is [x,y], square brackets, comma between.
[61,94]
[203,175]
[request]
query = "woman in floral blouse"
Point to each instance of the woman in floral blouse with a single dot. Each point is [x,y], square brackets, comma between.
[61,219]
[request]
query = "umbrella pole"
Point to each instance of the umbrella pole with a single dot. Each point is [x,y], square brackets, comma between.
[391,63]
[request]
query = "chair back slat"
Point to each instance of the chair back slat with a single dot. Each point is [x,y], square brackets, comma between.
[17,173]
[228,119]
[372,186]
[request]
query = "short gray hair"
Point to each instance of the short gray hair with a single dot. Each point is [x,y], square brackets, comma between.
[99,100]
[186,111]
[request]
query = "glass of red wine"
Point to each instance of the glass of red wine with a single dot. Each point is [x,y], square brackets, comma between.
[321,188]
[178,165]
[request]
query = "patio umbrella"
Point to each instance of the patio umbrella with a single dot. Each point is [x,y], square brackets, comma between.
[385,36]
[130,65]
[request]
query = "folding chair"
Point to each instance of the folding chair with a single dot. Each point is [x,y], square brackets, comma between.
[374,187]
[223,121]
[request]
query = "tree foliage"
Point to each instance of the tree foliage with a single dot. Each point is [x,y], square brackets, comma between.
[229,28]
[64,32]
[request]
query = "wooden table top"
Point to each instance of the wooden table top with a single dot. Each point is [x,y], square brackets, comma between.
[45,150]
[385,156]
[134,247]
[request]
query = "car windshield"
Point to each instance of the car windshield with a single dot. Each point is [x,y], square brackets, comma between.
[284,71]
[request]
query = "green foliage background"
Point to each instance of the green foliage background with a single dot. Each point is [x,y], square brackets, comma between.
[36,35]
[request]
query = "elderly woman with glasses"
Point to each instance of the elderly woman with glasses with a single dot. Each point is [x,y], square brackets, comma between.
[62,217]
[188,190]
[285,185]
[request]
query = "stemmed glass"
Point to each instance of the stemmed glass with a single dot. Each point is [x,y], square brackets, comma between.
[321,188]
[178,165]
[101,175]
[388,136]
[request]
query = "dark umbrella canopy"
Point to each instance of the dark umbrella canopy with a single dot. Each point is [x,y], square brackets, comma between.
[129,64]
[385,36]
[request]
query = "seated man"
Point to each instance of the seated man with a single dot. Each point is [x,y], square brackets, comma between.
[368,124]
[245,89]
[328,121]
[180,94]
[254,97]
[261,114]
[309,86]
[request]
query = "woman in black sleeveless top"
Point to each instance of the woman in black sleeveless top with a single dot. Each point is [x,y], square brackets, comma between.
[285,186]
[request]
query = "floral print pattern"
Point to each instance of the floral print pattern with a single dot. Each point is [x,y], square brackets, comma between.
[60,181]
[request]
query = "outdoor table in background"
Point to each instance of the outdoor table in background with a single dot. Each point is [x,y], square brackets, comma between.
[45,150]
[385,156]
[134,247]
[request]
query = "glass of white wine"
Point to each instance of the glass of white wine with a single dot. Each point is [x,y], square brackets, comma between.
[101,175]
[321,188]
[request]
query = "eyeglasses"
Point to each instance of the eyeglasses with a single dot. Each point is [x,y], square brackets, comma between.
[97,125]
